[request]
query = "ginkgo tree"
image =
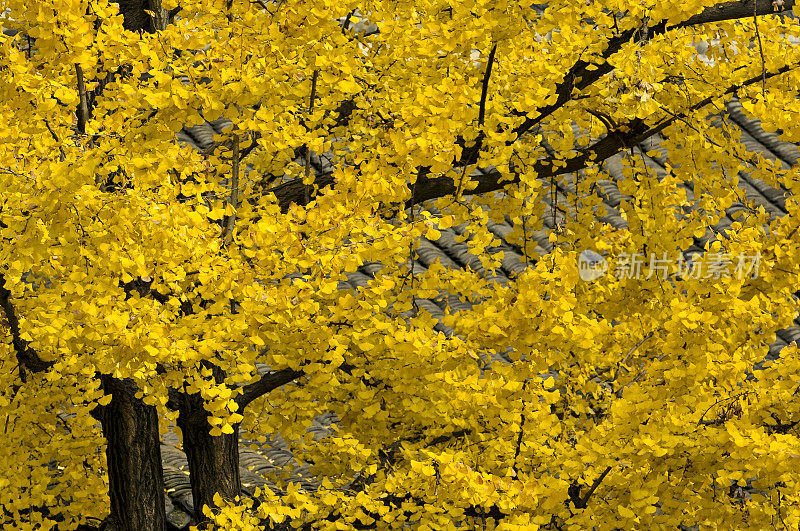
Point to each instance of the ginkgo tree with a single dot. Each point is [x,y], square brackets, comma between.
[147,285]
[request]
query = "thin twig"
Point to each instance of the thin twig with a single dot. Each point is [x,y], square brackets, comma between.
[308,149]
[55,137]
[630,353]
[253,144]
[521,432]
[609,122]
[737,396]
[594,486]
[411,252]
[230,221]
[761,51]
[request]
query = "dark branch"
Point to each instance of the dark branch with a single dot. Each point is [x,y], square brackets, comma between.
[578,77]
[346,22]
[265,384]
[83,105]
[472,154]
[485,85]
[624,137]
[253,144]
[389,456]
[594,486]
[294,191]
[27,358]
[737,9]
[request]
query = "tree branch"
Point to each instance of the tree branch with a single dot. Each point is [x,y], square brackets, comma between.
[624,137]
[230,221]
[594,486]
[307,170]
[485,85]
[578,77]
[83,105]
[388,456]
[253,144]
[265,384]
[473,153]
[736,9]
[294,191]
[27,358]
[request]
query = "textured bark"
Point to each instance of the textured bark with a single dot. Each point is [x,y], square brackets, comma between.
[739,9]
[213,461]
[136,18]
[160,19]
[136,479]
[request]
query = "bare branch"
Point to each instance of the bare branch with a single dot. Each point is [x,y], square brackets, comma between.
[253,144]
[308,149]
[624,137]
[761,52]
[346,22]
[594,486]
[521,432]
[736,9]
[625,359]
[55,137]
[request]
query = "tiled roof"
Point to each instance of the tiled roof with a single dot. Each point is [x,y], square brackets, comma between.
[452,253]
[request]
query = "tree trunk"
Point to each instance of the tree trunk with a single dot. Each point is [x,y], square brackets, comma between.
[135,475]
[160,17]
[213,461]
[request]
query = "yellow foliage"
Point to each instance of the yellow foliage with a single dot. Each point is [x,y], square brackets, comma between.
[348,139]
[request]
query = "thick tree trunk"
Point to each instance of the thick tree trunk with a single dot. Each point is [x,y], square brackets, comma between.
[213,461]
[136,17]
[136,479]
